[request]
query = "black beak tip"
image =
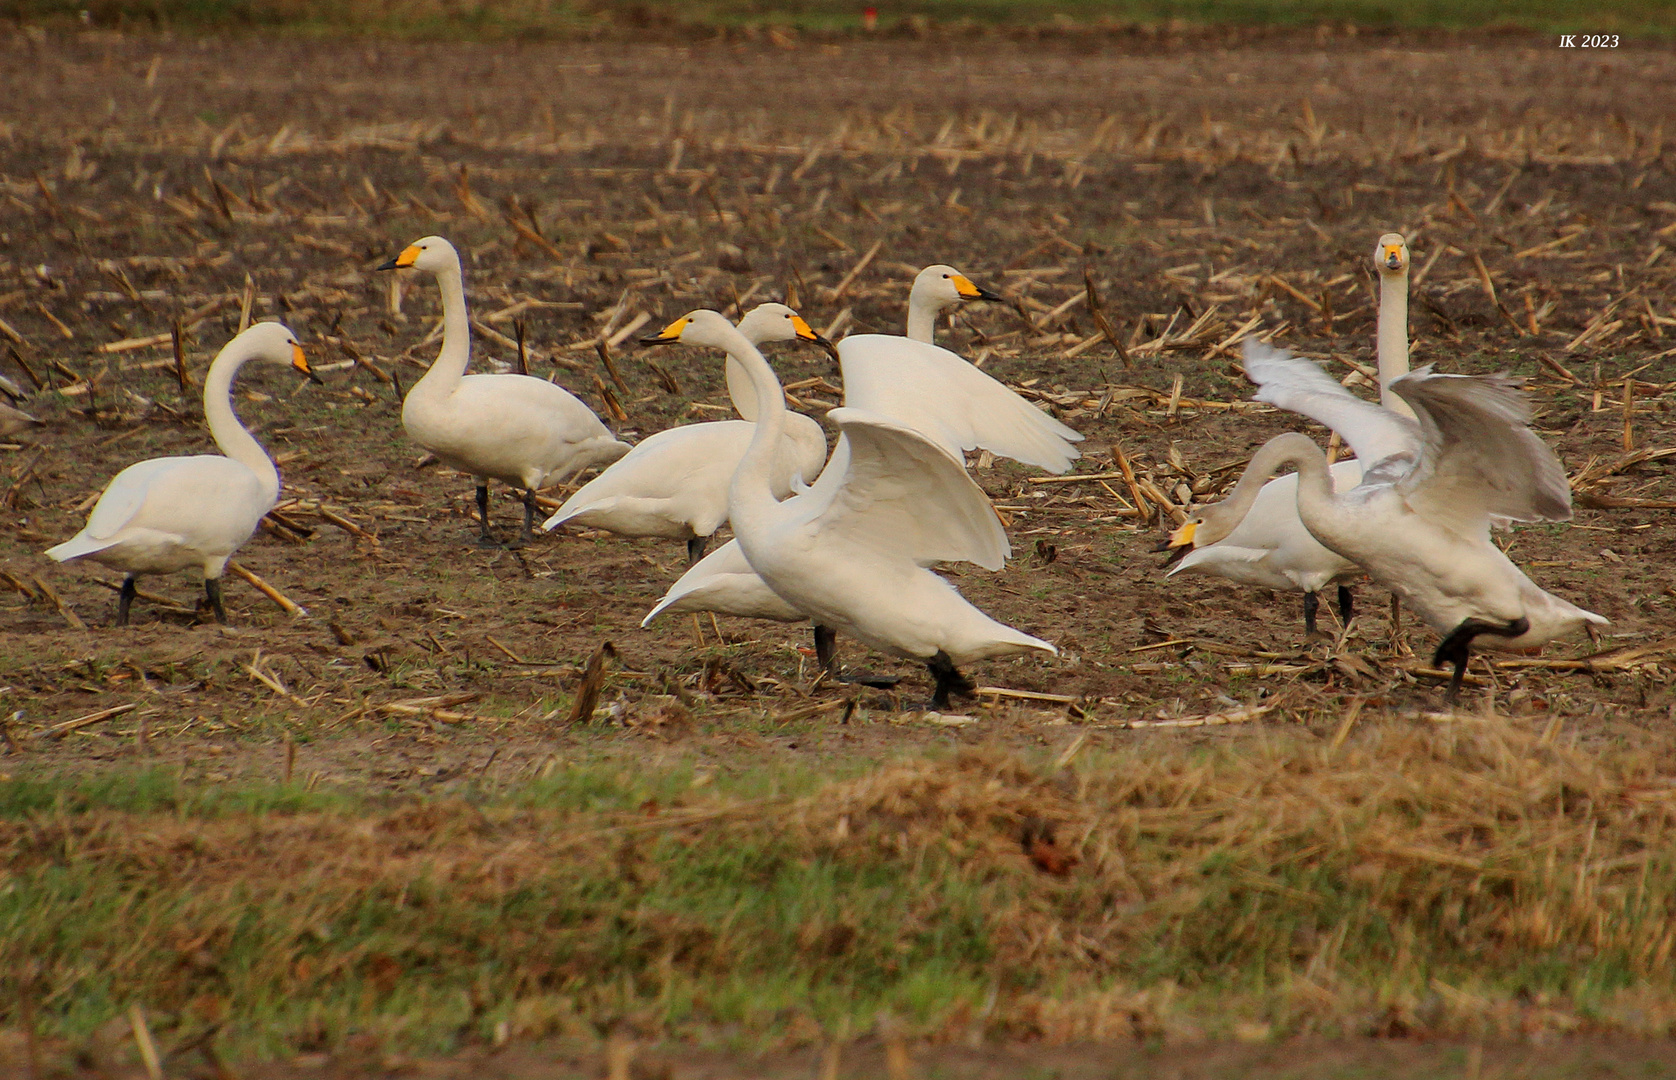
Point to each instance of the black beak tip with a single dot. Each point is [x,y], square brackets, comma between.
[989,294]
[656,339]
[1176,554]
[315,379]
[390,265]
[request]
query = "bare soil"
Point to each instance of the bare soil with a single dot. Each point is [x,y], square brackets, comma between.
[144,181]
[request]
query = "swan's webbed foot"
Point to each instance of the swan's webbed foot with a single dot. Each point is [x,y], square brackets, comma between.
[125,599]
[826,649]
[695,552]
[1312,604]
[1346,604]
[949,680]
[212,590]
[1456,648]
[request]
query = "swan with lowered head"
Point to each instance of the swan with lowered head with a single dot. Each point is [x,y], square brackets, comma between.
[174,513]
[518,429]
[851,553]
[1268,546]
[936,392]
[674,484]
[1419,521]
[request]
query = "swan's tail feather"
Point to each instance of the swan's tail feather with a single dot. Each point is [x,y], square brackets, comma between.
[77,546]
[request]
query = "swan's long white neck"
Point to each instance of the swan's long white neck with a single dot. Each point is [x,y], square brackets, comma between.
[230,435]
[1318,507]
[751,495]
[450,364]
[922,316]
[1393,338]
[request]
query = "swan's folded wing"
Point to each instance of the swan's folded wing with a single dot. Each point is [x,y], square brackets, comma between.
[1480,460]
[663,465]
[125,495]
[932,390]
[888,488]
[1375,434]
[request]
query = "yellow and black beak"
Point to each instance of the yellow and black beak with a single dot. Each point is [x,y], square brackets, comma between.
[1179,543]
[669,334]
[1393,257]
[300,362]
[968,291]
[805,332]
[407,258]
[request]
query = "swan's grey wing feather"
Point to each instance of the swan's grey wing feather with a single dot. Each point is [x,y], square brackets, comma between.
[1376,434]
[1480,460]
[889,488]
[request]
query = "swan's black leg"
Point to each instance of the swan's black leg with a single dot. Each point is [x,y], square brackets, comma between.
[212,589]
[1456,648]
[1346,605]
[695,548]
[949,679]
[483,537]
[125,599]
[1312,604]
[528,535]
[826,649]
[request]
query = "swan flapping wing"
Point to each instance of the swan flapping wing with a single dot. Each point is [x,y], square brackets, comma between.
[1480,458]
[933,390]
[888,488]
[1374,433]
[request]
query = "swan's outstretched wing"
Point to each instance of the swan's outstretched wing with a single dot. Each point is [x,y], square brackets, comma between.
[888,488]
[1480,458]
[932,390]
[1376,434]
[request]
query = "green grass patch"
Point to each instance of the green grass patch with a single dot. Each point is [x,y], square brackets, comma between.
[1474,881]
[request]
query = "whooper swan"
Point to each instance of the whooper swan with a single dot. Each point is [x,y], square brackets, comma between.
[1270,548]
[523,431]
[170,514]
[939,394]
[1419,521]
[674,484]
[851,552]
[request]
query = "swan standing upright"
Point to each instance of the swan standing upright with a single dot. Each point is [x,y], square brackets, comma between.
[518,429]
[1419,521]
[169,514]
[674,484]
[1268,546]
[851,553]
[936,392]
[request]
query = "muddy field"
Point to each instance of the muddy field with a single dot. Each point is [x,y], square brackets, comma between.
[154,184]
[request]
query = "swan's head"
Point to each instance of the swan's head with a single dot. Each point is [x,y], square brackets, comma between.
[1392,254]
[700,327]
[431,253]
[947,288]
[275,343]
[777,322]
[1204,526]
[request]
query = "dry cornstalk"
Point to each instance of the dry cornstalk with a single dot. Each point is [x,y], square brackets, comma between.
[287,605]
[64,727]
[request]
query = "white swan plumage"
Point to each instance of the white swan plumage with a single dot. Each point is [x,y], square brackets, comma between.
[674,484]
[175,513]
[523,431]
[1419,521]
[935,391]
[852,552]
[1269,547]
